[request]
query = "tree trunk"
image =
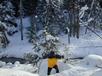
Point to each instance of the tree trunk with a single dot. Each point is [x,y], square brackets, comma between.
[21,19]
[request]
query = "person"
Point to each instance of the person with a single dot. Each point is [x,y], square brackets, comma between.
[52,61]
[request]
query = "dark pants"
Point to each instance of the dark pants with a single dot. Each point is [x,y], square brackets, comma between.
[55,67]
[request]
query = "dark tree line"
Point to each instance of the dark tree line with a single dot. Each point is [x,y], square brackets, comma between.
[29,6]
[52,16]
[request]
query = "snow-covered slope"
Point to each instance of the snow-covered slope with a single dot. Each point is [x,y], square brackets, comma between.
[87,44]
[18,47]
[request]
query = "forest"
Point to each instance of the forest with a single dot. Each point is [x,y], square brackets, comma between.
[31,29]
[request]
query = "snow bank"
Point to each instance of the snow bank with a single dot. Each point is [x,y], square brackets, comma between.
[93,60]
[25,67]
[77,71]
[17,66]
[98,73]
[10,72]
[2,63]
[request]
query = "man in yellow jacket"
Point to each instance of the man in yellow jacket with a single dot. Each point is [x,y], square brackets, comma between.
[52,61]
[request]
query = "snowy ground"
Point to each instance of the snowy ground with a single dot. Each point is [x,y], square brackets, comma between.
[83,68]
[91,65]
[88,46]
[17,47]
[88,43]
[11,72]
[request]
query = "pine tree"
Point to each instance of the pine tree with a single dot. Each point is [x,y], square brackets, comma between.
[31,34]
[7,16]
[3,38]
[34,57]
[92,16]
[49,43]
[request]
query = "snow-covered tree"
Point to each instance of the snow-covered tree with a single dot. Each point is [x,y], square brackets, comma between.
[3,38]
[31,34]
[42,46]
[53,16]
[50,15]
[7,16]
[34,56]
[49,42]
[90,15]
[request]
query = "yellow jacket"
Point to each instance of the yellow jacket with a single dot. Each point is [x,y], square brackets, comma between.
[52,62]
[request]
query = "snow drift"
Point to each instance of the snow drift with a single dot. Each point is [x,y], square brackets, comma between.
[93,60]
[10,72]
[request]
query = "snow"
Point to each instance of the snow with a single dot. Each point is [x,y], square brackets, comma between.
[25,67]
[17,47]
[17,66]
[65,69]
[26,22]
[50,37]
[89,66]
[11,72]
[98,73]
[2,63]
[82,11]
[77,71]
[43,67]
[87,46]
[93,60]
[16,69]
